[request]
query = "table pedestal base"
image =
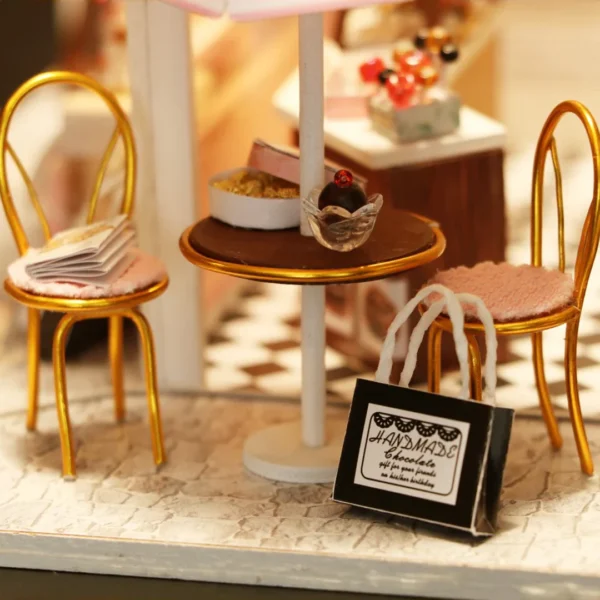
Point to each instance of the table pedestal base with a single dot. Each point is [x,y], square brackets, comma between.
[278,453]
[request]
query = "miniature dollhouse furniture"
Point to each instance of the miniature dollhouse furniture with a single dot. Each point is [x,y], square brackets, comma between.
[457,180]
[144,281]
[161,88]
[531,299]
[400,241]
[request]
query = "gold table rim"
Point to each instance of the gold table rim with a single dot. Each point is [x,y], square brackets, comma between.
[378,270]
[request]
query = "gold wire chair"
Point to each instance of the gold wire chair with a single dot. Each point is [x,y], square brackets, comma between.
[568,315]
[114,308]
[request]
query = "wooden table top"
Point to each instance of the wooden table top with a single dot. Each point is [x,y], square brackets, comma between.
[400,241]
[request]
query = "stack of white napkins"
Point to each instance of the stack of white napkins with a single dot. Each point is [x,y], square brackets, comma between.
[97,254]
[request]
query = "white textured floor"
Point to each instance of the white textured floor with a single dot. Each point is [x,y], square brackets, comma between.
[201,514]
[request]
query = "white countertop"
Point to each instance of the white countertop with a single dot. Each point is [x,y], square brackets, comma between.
[358,141]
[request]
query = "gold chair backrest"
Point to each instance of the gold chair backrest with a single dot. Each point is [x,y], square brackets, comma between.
[590,234]
[122,131]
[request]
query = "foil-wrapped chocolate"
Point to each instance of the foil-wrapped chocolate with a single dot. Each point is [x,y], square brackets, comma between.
[257,184]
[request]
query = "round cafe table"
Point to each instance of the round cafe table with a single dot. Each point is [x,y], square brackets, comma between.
[308,452]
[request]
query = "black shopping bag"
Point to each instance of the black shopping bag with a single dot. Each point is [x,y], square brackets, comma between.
[427,456]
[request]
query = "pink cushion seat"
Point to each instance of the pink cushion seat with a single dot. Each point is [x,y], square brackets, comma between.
[145,271]
[511,293]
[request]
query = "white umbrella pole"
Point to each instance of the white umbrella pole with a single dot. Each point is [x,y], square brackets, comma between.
[312,156]
[312,143]
[305,452]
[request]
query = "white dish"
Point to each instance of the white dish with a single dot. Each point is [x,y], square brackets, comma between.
[249,212]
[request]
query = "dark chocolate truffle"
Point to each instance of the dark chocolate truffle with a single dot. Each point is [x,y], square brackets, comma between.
[343,192]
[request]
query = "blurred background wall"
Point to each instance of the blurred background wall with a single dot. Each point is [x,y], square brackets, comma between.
[28,41]
[549,52]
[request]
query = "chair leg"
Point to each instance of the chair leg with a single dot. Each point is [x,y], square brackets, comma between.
[583,448]
[33,367]
[474,368]
[115,351]
[151,385]
[60,386]
[542,387]
[434,358]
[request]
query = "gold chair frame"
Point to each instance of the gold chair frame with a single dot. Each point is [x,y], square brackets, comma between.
[569,315]
[114,308]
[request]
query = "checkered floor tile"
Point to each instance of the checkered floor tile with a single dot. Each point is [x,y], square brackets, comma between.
[257,348]
[254,355]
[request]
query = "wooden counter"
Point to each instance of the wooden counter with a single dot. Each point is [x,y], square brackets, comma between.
[457,180]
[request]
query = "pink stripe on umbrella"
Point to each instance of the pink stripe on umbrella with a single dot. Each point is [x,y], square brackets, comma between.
[246,10]
[210,8]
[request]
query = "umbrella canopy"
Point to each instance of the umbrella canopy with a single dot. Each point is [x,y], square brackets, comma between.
[246,10]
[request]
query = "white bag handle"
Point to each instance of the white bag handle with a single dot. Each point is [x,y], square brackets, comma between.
[455,312]
[491,344]
[457,317]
